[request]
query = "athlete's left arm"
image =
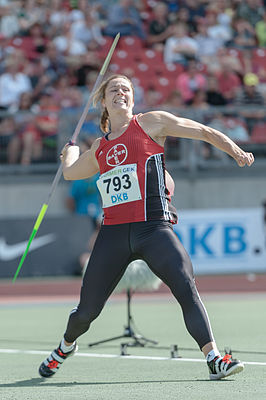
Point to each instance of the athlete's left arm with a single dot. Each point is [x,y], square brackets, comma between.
[170,125]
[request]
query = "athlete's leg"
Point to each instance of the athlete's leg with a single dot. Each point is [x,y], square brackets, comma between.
[161,249]
[108,261]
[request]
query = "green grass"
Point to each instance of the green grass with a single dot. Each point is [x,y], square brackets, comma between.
[236,322]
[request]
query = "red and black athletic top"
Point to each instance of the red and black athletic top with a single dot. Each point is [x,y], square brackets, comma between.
[132,180]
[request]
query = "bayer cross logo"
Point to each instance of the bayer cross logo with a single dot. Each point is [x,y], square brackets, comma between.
[116,155]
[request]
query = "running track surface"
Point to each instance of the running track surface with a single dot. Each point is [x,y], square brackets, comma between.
[68,287]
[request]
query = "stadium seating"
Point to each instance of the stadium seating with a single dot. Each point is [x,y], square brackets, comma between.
[258,134]
[131,43]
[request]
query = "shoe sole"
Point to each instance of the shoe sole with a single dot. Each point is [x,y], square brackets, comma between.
[235,370]
[49,375]
[43,373]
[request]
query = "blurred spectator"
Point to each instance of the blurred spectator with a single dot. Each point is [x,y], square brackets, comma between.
[179,48]
[90,129]
[47,120]
[195,9]
[88,63]
[236,129]
[152,97]
[66,44]
[66,95]
[13,82]
[38,38]
[9,142]
[228,80]
[221,32]
[250,10]
[207,45]
[250,95]
[84,199]
[183,17]
[213,95]
[25,104]
[174,101]
[218,122]
[228,59]
[79,9]
[232,126]
[199,100]
[189,81]
[58,16]
[53,63]
[260,29]
[124,17]
[87,82]
[224,10]
[35,71]
[3,51]
[159,28]
[244,37]
[88,31]
[24,114]
[9,25]
[41,130]
[29,14]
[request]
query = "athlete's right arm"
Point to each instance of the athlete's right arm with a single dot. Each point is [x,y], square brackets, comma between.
[79,167]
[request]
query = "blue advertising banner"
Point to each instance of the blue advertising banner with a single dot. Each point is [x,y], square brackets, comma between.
[222,241]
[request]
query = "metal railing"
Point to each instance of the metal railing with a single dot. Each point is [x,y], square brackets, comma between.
[245,125]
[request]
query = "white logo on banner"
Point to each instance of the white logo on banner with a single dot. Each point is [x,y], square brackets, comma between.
[12,251]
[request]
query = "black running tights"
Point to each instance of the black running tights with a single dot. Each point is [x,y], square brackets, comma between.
[156,243]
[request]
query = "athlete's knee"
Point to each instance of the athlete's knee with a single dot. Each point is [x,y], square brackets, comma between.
[186,292]
[84,317]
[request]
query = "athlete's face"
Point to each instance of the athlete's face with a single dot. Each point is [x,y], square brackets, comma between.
[118,95]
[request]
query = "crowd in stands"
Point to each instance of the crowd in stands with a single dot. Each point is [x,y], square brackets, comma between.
[181,55]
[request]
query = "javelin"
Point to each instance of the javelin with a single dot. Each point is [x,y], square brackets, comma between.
[72,141]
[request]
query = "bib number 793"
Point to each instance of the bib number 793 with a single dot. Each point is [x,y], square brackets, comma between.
[119,185]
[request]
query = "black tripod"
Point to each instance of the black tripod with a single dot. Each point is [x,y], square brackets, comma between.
[139,340]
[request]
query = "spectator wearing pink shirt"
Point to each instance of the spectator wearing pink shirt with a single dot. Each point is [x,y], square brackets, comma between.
[189,81]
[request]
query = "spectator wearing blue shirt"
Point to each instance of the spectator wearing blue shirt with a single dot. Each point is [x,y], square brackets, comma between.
[124,18]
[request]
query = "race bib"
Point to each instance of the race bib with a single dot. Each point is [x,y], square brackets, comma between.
[119,185]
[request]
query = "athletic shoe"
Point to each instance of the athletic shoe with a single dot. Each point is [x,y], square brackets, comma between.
[220,368]
[51,364]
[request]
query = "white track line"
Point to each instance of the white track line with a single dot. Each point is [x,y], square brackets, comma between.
[45,353]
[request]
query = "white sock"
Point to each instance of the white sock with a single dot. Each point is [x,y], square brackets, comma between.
[212,354]
[65,348]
